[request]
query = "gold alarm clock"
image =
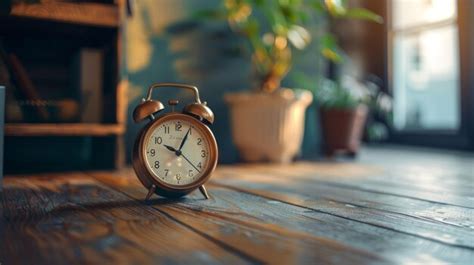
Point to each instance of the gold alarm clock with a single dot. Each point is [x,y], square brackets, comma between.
[175,153]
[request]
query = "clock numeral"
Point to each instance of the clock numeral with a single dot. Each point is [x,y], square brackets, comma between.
[157,164]
[178,177]
[199,141]
[199,165]
[203,153]
[167,129]
[177,126]
[158,140]
[152,152]
[190,173]
[166,172]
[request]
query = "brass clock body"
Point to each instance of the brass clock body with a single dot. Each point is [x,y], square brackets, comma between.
[175,153]
[143,167]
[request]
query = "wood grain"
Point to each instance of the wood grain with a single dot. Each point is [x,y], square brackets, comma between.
[364,178]
[389,243]
[63,129]
[78,13]
[73,219]
[224,221]
[306,213]
[460,218]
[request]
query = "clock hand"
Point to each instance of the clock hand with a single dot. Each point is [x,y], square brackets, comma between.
[190,163]
[178,153]
[170,148]
[184,139]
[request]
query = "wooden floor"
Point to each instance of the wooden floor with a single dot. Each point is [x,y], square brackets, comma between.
[391,207]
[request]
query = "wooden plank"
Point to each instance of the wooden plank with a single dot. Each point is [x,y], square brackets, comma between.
[244,209]
[92,14]
[72,219]
[443,223]
[437,213]
[353,176]
[403,219]
[63,129]
[226,222]
[457,184]
[391,244]
[443,176]
[414,177]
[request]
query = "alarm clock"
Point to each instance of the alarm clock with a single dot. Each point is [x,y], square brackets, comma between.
[174,153]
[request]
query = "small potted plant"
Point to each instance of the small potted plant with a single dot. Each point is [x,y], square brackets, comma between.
[344,107]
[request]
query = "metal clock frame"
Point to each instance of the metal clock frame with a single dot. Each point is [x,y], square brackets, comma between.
[149,179]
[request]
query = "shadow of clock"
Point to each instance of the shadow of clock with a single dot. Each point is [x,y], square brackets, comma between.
[131,204]
[81,200]
[164,201]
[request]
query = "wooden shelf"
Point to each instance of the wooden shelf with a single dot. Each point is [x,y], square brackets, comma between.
[92,14]
[63,129]
[72,26]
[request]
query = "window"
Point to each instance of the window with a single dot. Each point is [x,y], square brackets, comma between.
[423,36]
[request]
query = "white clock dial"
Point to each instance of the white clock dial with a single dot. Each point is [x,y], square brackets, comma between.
[177,152]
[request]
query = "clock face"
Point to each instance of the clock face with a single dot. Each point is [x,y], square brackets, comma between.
[178,151]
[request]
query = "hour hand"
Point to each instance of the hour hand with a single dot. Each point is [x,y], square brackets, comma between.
[170,148]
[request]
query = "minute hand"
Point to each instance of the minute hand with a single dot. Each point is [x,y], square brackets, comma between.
[190,163]
[184,139]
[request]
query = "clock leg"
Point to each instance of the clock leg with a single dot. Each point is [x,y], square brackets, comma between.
[150,192]
[203,190]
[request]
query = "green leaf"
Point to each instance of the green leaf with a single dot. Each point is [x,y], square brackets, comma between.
[318,6]
[303,16]
[328,41]
[332,54]
[210,14]
[251,28]
[364,14]
[329,48]
[259,3]
[336,8]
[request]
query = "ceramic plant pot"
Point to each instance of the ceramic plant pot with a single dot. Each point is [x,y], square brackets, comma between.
[268,127]
[342,129]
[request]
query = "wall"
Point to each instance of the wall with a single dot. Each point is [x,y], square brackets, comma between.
[164,44]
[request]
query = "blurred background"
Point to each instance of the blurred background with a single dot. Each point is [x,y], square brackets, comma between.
[393,72]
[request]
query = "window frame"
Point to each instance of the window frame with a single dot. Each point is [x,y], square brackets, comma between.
[463,138]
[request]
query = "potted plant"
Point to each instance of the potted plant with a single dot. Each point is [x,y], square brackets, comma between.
[344,107]
[268,121]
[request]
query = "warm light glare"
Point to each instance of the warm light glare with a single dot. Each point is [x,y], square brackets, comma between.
[408,13]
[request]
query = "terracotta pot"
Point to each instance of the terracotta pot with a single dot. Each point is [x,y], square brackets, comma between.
[342,129]
[268,127]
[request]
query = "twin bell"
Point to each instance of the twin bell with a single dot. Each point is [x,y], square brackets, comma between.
[149,107]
